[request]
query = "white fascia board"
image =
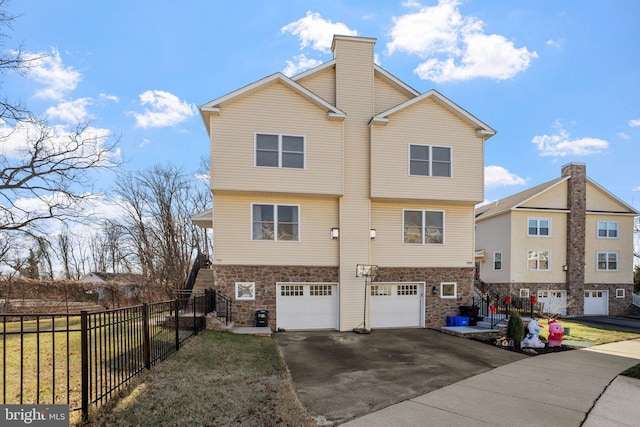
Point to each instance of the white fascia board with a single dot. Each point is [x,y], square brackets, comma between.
[608,193]
[314,70]
[395,80]
[538,193]
[482,127]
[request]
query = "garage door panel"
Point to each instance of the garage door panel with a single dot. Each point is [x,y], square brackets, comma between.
[555,301]
[303,306]
[396,305]
[596,303]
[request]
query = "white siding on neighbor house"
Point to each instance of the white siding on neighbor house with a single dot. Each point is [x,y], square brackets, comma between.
[599,201]
[389,249]
[494,235]
[521,243]
[553,198]
[426,123]
[280,110]
[623,245]
[233,242]
[354,96]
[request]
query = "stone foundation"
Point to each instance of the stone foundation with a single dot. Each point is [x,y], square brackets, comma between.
[436,308]
[575,297]
[266,277]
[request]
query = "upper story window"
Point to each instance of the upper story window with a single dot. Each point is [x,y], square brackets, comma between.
[423,227]
[275,222]
[607,261]
[279,151]
[608,229]
[539,227]
[538,260]
[427,160]
[497,261]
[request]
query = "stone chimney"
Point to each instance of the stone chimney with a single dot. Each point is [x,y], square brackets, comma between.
[576,235]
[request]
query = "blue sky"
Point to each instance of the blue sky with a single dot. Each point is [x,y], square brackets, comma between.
[559,80]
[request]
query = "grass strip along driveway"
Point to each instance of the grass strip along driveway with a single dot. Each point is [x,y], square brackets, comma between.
[217,378]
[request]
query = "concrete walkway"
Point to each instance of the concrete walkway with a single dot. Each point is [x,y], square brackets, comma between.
[569,388]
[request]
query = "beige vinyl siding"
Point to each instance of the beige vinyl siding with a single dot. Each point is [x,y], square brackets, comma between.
[426,123]
[233,242]
[554,198]
[386,95]
[389,249]
[322,83]
[354,96]
[494,235]
[623,245]
[521,243]
[275,109]
[599,201]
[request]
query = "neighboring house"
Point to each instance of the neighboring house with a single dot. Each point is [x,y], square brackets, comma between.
[114,288]
[340,166]
[568,242]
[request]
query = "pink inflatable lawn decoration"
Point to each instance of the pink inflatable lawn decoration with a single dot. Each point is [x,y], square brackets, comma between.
[556,333]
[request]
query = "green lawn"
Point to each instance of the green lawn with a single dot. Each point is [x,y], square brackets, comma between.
[589,334]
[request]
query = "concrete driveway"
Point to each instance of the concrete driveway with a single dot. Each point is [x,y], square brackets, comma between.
[342,375]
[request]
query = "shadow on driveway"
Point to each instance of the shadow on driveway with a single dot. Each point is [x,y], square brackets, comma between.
[342,375]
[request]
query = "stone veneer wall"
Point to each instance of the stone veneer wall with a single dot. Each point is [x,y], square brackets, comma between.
[576,235]
[617,306]
[436,308]
[265,278]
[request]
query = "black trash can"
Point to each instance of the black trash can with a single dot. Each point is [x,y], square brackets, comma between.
[471,312]
[262,318]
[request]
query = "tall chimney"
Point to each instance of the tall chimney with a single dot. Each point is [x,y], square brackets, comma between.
[576,235]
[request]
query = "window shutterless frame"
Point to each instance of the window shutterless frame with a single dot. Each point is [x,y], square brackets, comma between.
[279,151]
[430,160]
[607,230]
[275,222]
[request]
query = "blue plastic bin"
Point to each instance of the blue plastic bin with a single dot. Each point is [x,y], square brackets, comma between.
[460,321]
[451,321]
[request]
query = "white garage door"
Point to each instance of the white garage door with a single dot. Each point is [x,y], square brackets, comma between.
[304,306]
[397,305]
[596,302]
[554,301]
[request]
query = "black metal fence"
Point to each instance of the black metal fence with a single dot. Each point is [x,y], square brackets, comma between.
[82,360]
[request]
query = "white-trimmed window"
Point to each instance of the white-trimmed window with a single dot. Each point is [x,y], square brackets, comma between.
[380,290]
[275,222]
[320,290]
[245,291]
[448,289]
[538,259]
[524,293]
[607,261]
[279,151]
[620,293]
[292,290]
[497,261]
[539,227]
[423,227]
[428,160]
[607,229]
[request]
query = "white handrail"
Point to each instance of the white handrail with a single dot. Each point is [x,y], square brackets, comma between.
[636,300]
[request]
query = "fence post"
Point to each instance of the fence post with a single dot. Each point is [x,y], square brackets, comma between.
[146,345]
[84,363]
[195,317]
[176,302]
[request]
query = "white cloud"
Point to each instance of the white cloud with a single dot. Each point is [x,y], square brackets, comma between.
[560,144]
[145,142]
[455,47]
[554,43]
[48,70]
[497,176]
[623,135]
[636,188]
[72,111]
[316,32]
[634,123]
[109,97]
[165,109]
[299,64]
